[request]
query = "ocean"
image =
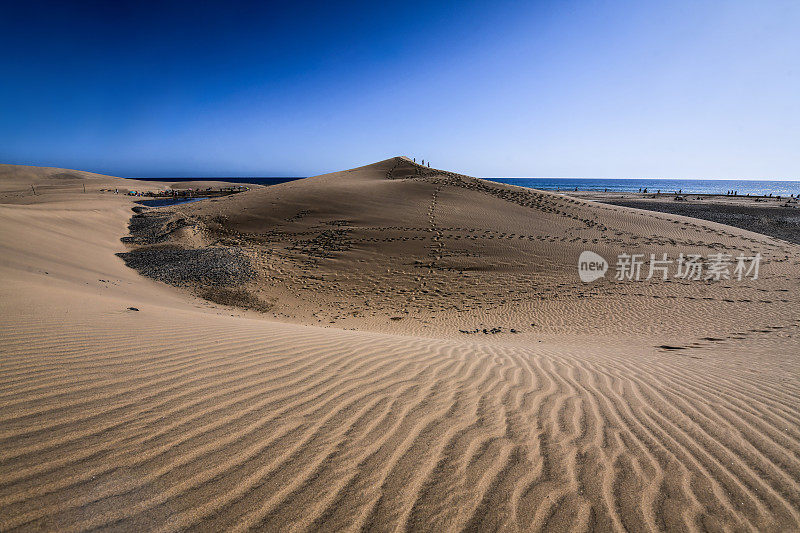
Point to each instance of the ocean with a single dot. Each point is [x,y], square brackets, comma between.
[742,187]
[238,179]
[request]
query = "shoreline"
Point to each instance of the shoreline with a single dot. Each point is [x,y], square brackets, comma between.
[706,187]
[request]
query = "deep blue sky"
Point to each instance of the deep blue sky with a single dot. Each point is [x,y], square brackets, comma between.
[696,89]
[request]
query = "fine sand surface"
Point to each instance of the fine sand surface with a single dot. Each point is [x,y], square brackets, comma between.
[352,385]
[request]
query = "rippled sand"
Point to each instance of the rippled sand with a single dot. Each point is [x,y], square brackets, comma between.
[130,404]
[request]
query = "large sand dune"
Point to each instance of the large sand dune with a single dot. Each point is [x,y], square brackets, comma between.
[365,395]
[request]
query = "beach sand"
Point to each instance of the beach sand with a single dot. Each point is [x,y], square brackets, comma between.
[389,347]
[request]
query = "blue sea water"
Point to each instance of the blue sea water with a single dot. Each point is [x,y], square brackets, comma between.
[161,202]
[239,179]
[742,187]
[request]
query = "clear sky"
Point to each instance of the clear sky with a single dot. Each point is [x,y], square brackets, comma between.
[695,89]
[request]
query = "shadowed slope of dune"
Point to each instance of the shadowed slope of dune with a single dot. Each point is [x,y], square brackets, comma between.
[130,405]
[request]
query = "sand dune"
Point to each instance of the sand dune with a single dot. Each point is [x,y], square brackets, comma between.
[328,412]
[442,253]
[25,184]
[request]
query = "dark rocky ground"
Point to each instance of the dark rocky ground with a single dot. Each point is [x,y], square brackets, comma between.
[780,222]
[216,273]
[212,266]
